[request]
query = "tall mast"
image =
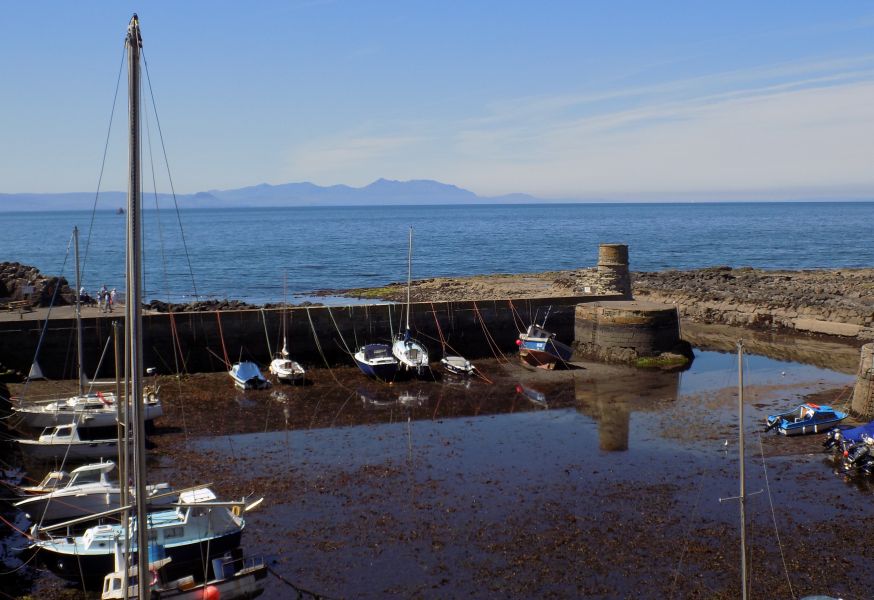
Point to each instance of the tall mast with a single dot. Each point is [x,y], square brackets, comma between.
[133,312]
[79,352]
[742,497]
[284,310]
[409,274]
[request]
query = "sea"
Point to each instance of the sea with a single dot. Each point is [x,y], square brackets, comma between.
[249,253]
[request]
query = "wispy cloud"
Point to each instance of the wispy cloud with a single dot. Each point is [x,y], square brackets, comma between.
[793,130]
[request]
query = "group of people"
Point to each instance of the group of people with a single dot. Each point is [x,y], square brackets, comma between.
[105,298]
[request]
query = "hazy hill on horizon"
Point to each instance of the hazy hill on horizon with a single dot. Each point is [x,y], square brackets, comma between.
[380,192]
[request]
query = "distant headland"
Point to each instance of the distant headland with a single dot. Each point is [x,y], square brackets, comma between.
[380,192]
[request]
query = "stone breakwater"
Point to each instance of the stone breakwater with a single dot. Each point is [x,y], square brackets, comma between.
[830,302]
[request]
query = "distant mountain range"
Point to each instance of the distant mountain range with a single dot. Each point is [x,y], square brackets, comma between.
[380,192]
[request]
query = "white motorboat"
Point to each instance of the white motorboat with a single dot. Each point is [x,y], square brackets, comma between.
[411,354]
[88,491]
[63,441]
[247,376]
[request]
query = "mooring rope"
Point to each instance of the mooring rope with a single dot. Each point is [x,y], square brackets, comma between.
[319,348]
[222,337]
[301,592]
[493,345]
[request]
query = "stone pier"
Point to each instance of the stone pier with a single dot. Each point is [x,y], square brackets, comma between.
[863,393]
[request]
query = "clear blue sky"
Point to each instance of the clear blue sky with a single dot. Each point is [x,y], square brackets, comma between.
[637,100]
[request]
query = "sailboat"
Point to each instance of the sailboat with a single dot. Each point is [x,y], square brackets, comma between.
[200,528]
[410,353]
[282,366]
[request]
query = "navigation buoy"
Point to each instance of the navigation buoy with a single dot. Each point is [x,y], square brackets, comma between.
[211,592]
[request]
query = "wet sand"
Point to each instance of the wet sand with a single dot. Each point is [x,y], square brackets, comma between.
[599,482]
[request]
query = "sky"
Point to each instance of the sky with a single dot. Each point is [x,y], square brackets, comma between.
[623,100]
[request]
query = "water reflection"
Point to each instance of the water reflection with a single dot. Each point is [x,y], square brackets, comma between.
[533,395]
[390,397]
[611,402]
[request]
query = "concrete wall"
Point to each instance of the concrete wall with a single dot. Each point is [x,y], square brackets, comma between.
[199,347]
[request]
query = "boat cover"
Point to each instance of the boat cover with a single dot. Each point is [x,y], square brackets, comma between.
[245,371]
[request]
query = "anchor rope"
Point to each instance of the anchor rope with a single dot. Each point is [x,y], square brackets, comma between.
[301,592]
[222,337]
[319,348]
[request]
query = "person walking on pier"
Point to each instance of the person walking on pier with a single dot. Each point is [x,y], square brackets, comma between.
[112,299]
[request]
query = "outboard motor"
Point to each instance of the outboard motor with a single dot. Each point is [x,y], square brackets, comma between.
[832,439]
[772,423]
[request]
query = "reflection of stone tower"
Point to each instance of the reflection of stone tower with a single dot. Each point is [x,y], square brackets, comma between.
[863,393]
[613,269]
[611,402]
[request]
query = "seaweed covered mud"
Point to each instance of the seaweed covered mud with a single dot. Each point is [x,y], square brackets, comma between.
[601,481]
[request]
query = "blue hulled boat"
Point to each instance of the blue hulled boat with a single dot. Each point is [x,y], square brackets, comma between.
[377,361]
[539,348]
[806,418]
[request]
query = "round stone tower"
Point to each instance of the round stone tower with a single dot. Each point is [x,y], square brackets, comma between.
[863,393]
[613,269]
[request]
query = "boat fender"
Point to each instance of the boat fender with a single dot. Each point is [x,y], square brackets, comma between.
[154,574]
[236,510]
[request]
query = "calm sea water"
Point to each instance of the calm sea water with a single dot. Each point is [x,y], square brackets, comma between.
[244,253]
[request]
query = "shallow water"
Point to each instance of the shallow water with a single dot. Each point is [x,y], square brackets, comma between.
[600,487]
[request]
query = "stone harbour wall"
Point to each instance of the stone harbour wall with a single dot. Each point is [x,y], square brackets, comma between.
[829,302]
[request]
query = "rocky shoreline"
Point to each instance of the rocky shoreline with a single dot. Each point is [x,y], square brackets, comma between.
[835,302]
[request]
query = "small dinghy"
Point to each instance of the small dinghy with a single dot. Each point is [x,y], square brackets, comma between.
[806,418]
[377,361]
[247,376]
[457,365]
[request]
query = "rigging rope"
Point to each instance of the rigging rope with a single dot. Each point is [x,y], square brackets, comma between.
[45,327]
[170,177]
[774,519]
[102,165]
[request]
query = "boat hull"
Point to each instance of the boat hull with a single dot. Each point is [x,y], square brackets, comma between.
[383,371]
[821,427]
[411,355]
[85,419]
[75,451]
[186,559]
[545,354]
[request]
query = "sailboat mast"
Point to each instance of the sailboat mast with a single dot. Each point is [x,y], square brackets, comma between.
[284,311]
[133,311]
[79,351]
[743,482]
[409,275]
